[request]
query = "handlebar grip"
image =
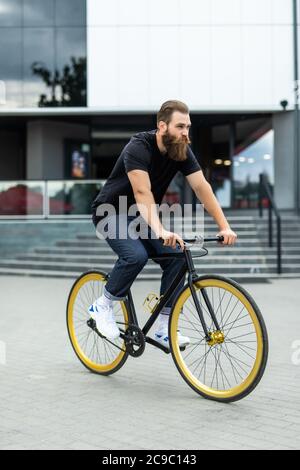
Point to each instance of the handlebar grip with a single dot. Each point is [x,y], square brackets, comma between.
[218,239]
[214,239]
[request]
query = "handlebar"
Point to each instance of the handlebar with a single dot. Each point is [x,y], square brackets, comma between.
[200,240]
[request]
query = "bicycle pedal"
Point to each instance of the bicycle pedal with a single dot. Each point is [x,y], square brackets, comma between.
[92,324]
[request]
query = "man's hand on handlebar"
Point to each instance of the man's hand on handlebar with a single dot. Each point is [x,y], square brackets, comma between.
[171,238]
[229,236]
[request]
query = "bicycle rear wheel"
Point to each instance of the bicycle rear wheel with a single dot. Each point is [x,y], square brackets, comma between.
[230,365]
[95,352]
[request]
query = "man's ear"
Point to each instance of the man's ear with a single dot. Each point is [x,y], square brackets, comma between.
[162,126]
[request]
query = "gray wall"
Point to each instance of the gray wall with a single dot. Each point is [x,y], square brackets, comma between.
[283,124]
[45,147]
[12,159]
[20,237]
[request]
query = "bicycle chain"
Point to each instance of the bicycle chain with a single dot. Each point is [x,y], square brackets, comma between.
[129,346]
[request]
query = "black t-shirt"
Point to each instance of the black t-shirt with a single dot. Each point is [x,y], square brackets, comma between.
[142,153]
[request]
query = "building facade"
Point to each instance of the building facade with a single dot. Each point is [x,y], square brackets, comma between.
[79,77]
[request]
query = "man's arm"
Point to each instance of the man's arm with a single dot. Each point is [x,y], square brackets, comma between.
[204,193]
[141,187]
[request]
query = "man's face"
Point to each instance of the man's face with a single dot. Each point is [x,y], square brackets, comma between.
[175,136]
[179,126]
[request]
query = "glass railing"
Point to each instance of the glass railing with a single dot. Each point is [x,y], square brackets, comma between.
[46,199]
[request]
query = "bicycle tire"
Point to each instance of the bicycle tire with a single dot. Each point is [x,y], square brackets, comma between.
[94,352]
[234,364]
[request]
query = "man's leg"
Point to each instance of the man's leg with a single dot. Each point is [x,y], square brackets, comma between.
[170,267]
[132,257]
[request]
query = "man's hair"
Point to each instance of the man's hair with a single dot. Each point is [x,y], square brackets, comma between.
[167,109]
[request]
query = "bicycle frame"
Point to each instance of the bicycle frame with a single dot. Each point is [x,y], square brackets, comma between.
[192,275]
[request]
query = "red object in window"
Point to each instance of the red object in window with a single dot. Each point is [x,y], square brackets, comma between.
[20,200]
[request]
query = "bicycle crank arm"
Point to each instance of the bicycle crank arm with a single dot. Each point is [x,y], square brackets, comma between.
[160,346]
[157,345]
[91,322]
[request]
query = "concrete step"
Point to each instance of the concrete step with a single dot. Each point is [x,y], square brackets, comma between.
[151,266]
[249,259]
[241,277]
[241,242]
[102,248]
[242,235]
[111,258]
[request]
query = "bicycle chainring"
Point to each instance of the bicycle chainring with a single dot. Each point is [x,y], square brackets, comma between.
[134,341]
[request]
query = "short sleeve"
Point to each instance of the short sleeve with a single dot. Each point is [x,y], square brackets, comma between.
[136,157]
[190,165]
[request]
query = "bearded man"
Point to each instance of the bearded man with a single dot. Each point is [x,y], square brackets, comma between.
[142,173]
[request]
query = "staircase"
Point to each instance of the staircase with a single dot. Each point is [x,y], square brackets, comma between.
[249,259]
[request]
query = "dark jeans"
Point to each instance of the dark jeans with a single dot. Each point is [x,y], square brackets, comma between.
[133,255]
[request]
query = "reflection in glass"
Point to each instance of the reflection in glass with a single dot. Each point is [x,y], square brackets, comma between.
[70,13]
[220,172]
[10,13]
[45,66]
[252,158]
[36,49]
[72,198]
[66,87]
[38,13]
[11,68]
[21,198]
[223,193]
[70,42]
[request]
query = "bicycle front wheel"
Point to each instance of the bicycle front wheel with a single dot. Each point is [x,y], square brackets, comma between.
[229,364]
[95,352]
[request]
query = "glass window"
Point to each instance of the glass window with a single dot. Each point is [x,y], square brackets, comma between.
[43,54]
[252,157]
[21,199]
[72,198]
[71,65]
[38,71]
[38,13]
[221,164]
[70,13]
[10,13]
[11,65]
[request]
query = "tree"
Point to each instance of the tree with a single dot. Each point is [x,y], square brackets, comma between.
[68,88]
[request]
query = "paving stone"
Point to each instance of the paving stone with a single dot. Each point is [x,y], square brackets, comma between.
[48,400]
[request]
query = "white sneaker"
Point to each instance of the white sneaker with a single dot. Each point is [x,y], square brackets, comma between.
[105,320]
[163,338]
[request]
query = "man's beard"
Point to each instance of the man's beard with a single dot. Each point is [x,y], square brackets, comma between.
[176,149]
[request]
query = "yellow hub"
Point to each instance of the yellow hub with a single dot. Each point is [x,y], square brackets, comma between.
[216,337]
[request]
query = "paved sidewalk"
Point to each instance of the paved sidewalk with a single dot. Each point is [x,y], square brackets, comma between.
[50,401]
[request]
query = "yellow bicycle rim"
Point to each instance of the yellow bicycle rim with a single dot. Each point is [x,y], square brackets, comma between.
[179,355]
[112,362]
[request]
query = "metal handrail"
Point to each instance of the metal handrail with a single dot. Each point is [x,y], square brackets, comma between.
[265,189]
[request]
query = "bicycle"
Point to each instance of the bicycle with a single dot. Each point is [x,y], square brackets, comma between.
[228,352]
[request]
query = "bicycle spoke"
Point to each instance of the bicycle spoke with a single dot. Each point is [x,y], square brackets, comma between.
[220,366]
[97,349]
